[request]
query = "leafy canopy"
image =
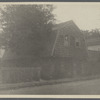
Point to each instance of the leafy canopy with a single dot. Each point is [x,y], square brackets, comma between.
[27,28]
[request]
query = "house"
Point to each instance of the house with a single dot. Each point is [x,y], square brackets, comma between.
[93,43]
[69,41]
[68,53]
[93,46]
[64,56]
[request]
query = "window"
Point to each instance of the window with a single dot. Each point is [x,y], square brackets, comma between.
[77,43]
[66,43]
[66,37]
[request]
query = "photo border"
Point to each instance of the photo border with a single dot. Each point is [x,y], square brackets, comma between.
[49,97]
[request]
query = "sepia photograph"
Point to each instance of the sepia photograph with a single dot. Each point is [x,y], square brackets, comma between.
[50,48]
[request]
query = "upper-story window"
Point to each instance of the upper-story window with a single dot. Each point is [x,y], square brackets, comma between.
[77,43]
[66,37]
[66,42]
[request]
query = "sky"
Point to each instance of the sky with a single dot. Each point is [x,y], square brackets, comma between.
[85,15]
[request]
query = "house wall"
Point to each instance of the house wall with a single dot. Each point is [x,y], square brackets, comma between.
[77,65]
[63,67]
[56,68]
[71,50]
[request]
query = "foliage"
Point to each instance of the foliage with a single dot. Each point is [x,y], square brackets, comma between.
[27,28]
[95,33]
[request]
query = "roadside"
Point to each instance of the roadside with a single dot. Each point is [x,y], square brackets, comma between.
[43,82]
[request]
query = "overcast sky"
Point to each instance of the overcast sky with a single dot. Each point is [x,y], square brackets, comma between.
[86,16]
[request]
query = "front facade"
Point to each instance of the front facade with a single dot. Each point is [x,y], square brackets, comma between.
[69,42]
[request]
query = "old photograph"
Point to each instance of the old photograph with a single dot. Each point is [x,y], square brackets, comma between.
[50,48]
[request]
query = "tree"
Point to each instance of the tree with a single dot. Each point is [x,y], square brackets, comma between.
[27,28]
[94,33]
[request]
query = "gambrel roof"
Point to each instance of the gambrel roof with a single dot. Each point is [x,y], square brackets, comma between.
[63,24]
